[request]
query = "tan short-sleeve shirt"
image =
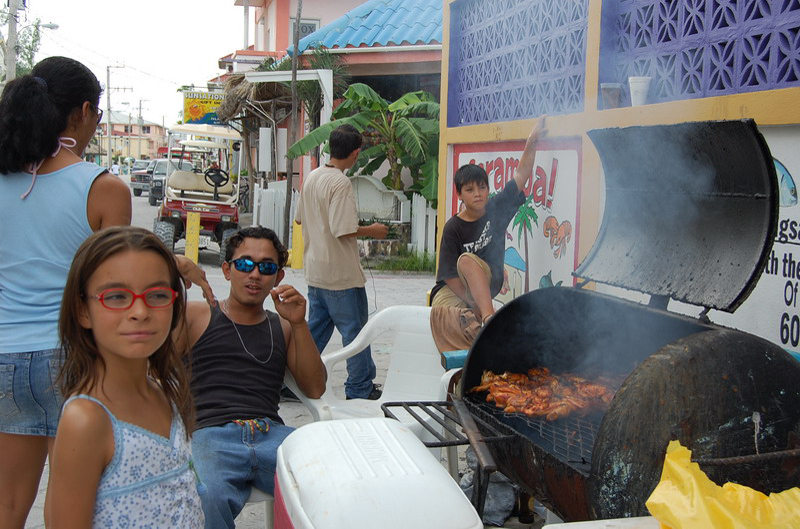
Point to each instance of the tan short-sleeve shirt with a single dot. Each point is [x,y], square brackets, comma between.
[326,211]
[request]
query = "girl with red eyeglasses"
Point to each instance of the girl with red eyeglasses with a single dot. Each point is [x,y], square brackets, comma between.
[122,453]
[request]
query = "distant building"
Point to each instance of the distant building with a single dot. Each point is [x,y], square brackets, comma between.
[272,25]
[130,137]
[394,46]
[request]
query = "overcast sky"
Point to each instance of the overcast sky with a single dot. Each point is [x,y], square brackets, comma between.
[162,44]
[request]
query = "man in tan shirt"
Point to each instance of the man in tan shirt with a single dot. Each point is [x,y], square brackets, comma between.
[336,294]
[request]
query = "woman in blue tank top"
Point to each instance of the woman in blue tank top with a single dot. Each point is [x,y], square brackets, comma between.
[50,202]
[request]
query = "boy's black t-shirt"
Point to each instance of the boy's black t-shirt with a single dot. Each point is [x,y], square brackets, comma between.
[484,237]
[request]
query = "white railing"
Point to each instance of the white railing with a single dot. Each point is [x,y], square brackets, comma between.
[423,225]
[269,206]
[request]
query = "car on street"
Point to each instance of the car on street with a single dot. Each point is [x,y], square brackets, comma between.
[158,171]
[140,180]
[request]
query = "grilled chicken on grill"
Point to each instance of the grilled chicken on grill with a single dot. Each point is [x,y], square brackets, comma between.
[538,393]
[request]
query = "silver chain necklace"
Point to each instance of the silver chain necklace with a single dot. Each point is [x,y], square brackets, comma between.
[227,312]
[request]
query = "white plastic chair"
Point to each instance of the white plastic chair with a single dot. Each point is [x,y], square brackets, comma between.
[415,371]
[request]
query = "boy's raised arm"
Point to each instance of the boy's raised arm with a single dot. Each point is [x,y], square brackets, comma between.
[525,168]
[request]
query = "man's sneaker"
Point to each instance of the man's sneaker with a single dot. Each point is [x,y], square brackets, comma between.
[375,394]
[287,395]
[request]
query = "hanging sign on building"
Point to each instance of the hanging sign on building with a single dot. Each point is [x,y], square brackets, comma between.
[201,107]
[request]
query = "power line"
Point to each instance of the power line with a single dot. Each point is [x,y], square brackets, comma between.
[110,89]
[105,59]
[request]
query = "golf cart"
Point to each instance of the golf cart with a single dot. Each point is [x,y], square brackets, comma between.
[208,191]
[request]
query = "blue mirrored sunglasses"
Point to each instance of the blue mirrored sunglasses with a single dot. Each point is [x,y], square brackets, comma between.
[265,268]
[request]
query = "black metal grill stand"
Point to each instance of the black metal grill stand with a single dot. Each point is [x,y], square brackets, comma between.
[443,413]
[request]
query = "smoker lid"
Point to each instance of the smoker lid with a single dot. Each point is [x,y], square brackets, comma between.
[691,211]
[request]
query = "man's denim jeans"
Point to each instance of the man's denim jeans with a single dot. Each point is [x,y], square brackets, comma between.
[231,459]
[346,310]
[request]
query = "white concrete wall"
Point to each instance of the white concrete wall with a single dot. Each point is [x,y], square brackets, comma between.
[324,10]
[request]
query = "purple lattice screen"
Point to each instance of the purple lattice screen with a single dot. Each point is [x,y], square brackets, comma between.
[515,59]
[701,48]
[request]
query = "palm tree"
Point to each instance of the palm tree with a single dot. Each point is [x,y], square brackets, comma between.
[404,133]
[524,220]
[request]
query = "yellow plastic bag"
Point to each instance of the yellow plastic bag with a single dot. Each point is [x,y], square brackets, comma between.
[686,498]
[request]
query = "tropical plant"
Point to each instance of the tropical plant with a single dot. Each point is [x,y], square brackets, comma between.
[404,133]
[28,43]
[524,219]
[406,260]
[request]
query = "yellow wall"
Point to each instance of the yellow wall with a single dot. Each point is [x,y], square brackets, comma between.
[772,107]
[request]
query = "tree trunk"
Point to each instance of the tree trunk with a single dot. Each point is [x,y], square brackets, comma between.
[251,168]
[527,263]
[315,119]
[244,152]
[398,178]
[287,214]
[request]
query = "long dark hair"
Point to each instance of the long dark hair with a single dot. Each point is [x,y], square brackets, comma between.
[35,109]
[78,375]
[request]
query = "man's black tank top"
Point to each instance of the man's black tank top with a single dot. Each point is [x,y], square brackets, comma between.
[227,382]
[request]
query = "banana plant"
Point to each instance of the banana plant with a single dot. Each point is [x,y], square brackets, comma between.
[404,133]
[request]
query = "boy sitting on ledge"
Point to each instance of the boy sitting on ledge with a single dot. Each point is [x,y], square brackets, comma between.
[470,271]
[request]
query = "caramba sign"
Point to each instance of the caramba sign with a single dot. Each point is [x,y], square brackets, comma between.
[201,107]
[542,239]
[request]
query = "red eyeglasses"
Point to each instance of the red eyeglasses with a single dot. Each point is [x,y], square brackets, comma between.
[122,298]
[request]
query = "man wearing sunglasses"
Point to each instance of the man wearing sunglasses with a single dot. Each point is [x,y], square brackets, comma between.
[239,354]
[332,266]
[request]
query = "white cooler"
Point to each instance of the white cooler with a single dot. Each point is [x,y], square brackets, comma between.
[642,522]
[370,472]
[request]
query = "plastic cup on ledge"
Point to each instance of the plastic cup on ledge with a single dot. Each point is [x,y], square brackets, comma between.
[611,93]
[639,87]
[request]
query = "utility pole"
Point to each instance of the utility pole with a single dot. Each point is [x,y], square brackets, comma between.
[246,24]
[108,107]
[11,42]
[293,126]
[141,124]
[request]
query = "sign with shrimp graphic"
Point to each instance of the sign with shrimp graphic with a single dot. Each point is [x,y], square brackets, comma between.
[201,107]
[542,238]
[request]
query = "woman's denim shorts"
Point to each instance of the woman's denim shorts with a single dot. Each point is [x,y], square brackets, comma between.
[30,404]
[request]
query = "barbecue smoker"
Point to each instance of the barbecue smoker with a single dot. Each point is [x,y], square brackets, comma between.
[690,214]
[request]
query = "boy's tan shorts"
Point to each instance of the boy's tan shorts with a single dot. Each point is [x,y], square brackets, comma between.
[446,297]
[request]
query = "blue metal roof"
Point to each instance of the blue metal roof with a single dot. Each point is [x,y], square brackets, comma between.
[381,23]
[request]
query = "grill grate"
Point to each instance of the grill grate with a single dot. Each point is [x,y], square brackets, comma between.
[571,440]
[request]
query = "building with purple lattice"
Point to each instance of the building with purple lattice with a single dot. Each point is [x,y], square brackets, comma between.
[591,64]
